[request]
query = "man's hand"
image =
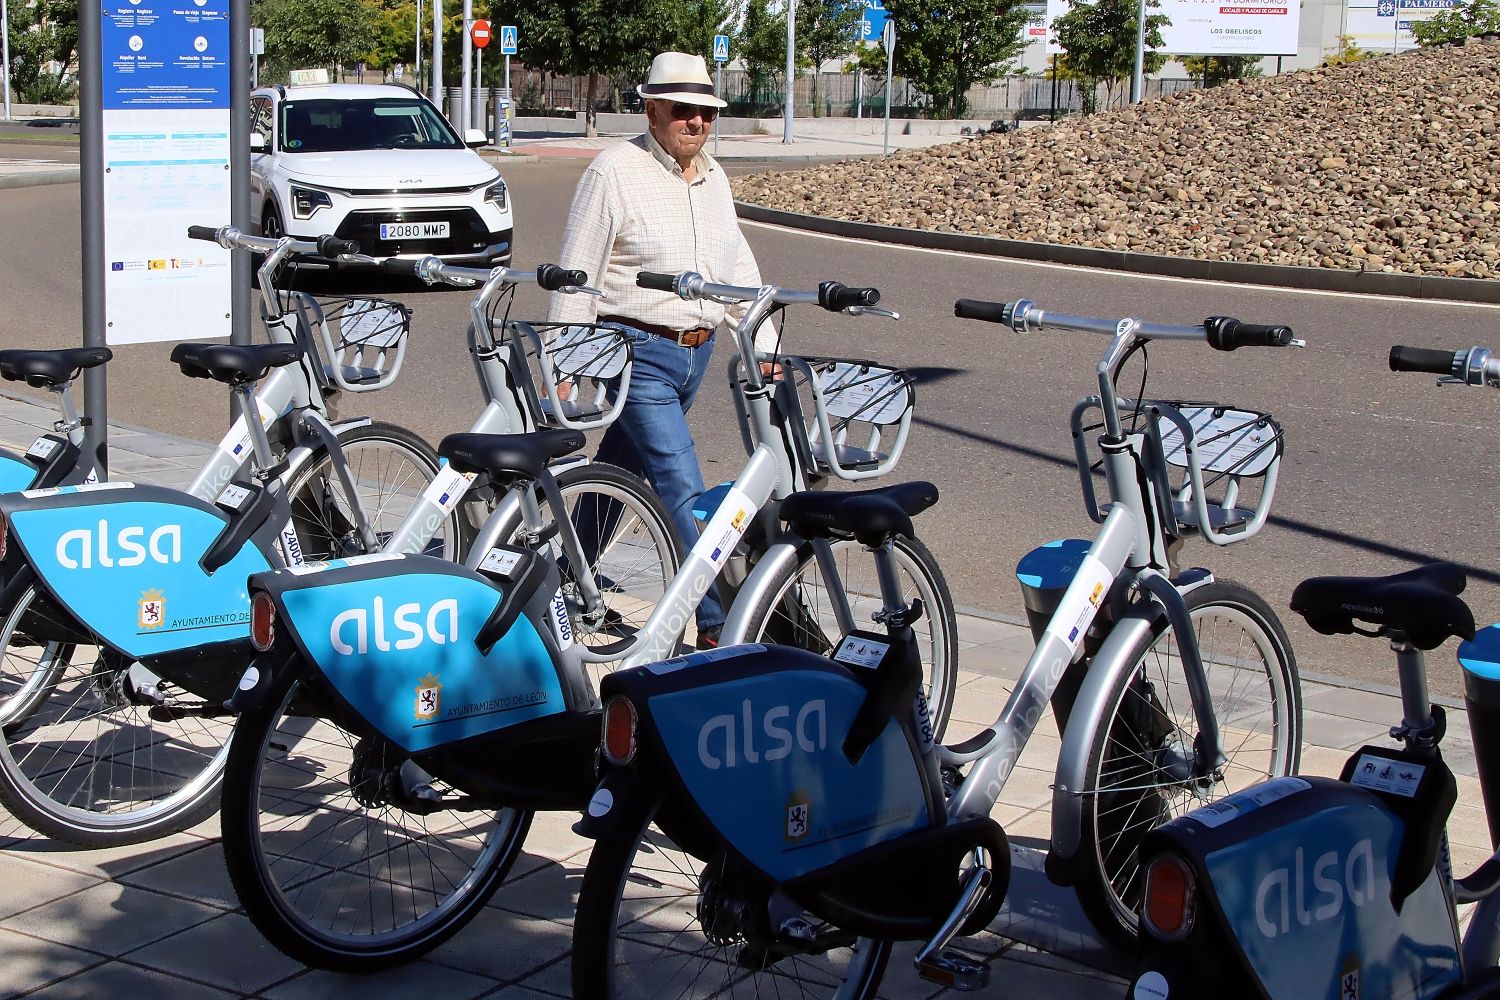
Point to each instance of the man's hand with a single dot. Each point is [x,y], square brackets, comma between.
[770,370]
[565,389]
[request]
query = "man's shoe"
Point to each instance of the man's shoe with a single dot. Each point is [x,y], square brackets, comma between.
[708,638]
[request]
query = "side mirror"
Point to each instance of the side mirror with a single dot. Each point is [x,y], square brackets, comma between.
[257,142]
[474,138]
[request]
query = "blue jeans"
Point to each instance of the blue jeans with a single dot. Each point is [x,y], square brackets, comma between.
[651,438]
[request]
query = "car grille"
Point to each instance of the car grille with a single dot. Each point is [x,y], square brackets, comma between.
[466,232]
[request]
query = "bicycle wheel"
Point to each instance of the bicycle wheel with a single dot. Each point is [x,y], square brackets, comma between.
[638,932]
[390,467]
[327,862]
[796,609]
[97,751]
[1132,785]
[634,553]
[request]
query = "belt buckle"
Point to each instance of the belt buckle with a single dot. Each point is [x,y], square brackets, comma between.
[697,336]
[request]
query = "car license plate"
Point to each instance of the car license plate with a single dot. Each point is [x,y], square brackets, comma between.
[413,230]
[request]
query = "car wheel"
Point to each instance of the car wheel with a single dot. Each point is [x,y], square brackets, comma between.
[270,224]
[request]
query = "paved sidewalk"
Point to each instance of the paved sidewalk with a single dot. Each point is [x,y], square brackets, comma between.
[750,148]
[161,919]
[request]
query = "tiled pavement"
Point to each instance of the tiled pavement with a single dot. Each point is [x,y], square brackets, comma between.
[161,919]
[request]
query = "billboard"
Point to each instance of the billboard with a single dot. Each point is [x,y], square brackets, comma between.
[1385,25]
[1217,27]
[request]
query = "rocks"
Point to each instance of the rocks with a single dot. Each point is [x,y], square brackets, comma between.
[1388,164]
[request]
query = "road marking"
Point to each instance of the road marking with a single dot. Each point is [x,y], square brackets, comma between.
[1048,265]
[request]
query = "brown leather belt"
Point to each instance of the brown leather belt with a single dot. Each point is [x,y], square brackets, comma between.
[682,338]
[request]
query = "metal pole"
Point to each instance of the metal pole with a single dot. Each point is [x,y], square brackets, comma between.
[478,114]
[437,56]
[890,64]
[417,80]
[239,167]
[718,89]
[791,71]
[465,89]
[859,97]
[5,52]
[91,197]
[1137,78]
[510,103]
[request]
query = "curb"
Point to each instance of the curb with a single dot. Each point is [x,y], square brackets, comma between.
[1413,286]
[496,157]
[38,178]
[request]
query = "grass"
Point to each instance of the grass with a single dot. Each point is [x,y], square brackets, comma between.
[58,138]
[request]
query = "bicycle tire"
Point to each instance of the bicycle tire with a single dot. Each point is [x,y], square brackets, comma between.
[802,617]
[291,773]
[1145,718]
[390,466]
[608,965]
[173,764]
[634,565]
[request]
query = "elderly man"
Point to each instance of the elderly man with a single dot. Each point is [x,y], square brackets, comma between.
[660,203]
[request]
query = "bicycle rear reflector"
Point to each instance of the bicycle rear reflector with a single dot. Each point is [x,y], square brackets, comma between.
[619,730]
[1171,890]
[262,622]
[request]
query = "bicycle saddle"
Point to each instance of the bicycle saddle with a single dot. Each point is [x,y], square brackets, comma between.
[508,456]
[48,369]
[233,364]
[1423,603]
[871,516]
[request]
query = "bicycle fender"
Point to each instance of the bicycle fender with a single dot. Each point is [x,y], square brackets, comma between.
[254,688]
[771,563]
[1481,945]
[1087,715]
[611,810]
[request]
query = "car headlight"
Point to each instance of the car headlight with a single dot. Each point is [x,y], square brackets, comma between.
[496,193]
[306,202]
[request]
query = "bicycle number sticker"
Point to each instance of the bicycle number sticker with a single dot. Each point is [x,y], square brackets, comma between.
[58,491]
[1232,807]
[1382,774]
[1081,603]
[447,488]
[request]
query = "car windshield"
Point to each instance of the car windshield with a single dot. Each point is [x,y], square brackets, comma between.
[394,123]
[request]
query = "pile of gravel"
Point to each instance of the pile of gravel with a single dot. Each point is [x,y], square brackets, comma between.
[1386,165]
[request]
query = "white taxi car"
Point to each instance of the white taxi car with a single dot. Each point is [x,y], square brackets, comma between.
[376,163]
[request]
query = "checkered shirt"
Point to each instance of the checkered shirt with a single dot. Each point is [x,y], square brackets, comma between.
[634,212]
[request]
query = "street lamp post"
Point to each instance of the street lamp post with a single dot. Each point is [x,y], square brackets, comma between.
[1138,75]
[5,52]
[417,80]
[791,70]
[437,55]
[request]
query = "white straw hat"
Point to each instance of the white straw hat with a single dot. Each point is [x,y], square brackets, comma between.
[678,76]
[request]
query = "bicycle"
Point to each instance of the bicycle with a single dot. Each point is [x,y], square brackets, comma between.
[862,831]
[351,745]
[124,609]
[1380,904]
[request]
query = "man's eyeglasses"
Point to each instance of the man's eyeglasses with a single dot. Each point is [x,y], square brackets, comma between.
[687,112]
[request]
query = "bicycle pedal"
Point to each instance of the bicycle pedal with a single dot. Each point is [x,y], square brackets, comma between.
[955,970]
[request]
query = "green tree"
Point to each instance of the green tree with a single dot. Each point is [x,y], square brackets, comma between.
[761,43]
[309,33]
[43,42]
[1346,53]
[1099,39]
[944,47]
[1477,17]
[825,30]
[1214,70]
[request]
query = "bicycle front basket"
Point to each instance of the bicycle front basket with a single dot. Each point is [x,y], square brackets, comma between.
[861,412]
[364,341]
[595,361]
[1229,459]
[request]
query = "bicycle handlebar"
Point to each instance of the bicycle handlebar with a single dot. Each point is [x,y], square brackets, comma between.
[1223,333]
[656,281]
[231,238]
[836,297]
[831,295]
[549,277]
[1424,359]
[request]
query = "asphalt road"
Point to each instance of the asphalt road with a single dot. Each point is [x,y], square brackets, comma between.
[1382,471]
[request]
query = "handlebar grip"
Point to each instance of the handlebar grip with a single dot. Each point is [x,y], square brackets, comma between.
[836,296]
[1422,359]
[331,246]
[208,233]
[659,282]
[1225,333]
[550,277]
[405,268]
[989,312]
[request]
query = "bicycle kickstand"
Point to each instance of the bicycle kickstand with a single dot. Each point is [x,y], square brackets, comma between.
[936,962]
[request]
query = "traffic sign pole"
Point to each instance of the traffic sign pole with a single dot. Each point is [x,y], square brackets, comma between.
[508,39]
[791,72]
[466,91]
[721,56]
[890,63]
[437,56]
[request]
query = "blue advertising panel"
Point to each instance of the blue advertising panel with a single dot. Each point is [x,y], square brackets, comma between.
[166,86]
[874,21]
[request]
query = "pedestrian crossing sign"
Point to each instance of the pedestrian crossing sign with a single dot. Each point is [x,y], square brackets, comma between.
[721,48]
[507,39]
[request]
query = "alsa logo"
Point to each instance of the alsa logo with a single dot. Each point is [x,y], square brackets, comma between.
[725,740]
[82,548]
[351,630]
[1282,895]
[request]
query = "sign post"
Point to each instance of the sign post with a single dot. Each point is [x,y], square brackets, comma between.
[871,27]
[721,56]
[257,49]
[5,52]
[437,56]
[466,81]
[791,71]
[508,38]
[890,65]
[480,33]
[416,78]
